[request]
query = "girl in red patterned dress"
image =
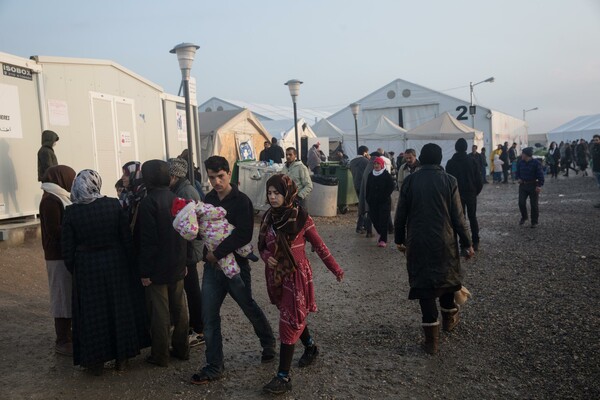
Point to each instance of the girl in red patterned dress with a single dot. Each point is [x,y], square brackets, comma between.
[285,229]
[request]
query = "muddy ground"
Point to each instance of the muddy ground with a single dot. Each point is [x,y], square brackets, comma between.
[530,331]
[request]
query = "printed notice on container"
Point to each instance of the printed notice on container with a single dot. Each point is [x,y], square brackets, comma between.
[125,139]
[58,112]
[180,116]
[10,113]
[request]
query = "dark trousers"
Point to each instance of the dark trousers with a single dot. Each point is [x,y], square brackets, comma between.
[380,216]
[528,190]
[429,309]
[554,170]
[505,172]
[191,284]
[469,204]
[215,286]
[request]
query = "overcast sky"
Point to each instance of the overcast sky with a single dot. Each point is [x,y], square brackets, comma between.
[543,53]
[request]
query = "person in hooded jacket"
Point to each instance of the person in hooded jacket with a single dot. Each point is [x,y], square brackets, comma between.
[467,172]
[380,186]
[45,156]
[56,184]
[429,217]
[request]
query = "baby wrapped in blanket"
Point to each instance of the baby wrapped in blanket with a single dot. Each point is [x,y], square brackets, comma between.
[193,219]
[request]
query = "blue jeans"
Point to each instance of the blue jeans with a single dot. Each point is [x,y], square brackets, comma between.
[215,286]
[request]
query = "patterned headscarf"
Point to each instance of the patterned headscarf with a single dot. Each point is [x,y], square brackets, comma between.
[86,187]
[136,191]
[287,221]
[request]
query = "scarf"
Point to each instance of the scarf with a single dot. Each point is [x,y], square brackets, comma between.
[377,173]
[59,192]
[135,192]
[86,187]
[287,221]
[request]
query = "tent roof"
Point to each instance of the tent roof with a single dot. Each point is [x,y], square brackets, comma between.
[582,123]
[324,128]
[281,129]
[381,128]
[443,127]
[272,112]
[211,121]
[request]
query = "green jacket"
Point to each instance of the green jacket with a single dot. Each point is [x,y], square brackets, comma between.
[46,157]
[299,174]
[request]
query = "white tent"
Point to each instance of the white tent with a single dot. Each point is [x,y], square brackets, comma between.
[584,127]
[285,133]
[381,133]
[324,128]
[444,131]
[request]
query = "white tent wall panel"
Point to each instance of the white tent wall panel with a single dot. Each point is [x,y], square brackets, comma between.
[20,139]
[506,129]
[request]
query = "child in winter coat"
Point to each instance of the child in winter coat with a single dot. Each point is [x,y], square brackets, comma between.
[497,168]
[209,222]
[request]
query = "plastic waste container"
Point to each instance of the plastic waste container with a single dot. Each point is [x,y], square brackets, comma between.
[322,201]
[346,192]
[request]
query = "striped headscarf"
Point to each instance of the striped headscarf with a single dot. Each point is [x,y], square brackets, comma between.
[86,187]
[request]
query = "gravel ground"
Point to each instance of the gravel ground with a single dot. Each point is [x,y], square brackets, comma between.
[530,331]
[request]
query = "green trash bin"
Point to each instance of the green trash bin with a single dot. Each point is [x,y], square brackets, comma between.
[346,192]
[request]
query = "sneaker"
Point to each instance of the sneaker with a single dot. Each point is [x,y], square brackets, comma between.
[201,378]
[381,244]
[193,340]
[268,356]
[309,356]
[278,385]
[65,349]
[252,257]
[522,221]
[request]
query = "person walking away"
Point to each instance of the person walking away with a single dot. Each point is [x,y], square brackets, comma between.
[380,186]
[553,159]
[357,167]
[284,231]
[182,188]
[567,161]
[45,156]
[484,165]
[512,159]
[215,285]
[497,168]
[264,153]
[296,170]
[466,171]
[595,156]
[429,217]
[56,184]
[275,152]
[506,162]
[314,158]
[477,158]
[583,156]
[530,176]
[97,249]
[162,267]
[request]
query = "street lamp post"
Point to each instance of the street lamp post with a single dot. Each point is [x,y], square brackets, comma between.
[185,55]
[526,111]
[294,86]
[354,107]
[472,109]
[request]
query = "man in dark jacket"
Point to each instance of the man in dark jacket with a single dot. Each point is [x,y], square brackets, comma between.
[275,152]
[357,167]
[428,219]
[162,266]
[595,155]
[181,186]
[505,159]
[466,170]
[215,285]
[530,176]
[45,156]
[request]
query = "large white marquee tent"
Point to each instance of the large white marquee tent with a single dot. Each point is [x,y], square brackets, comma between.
[584,127]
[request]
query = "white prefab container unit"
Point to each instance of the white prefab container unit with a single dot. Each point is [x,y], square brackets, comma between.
[104,114]
[410,105]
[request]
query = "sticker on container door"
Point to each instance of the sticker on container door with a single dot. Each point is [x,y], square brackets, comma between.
[125,139]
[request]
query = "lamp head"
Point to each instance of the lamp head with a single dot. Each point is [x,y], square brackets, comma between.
[185,55]
[491,79]
[294,86]
[354,107]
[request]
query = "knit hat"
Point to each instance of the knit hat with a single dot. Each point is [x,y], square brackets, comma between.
[177,167]
[379,161]
[186,221]
[528,151]
[431,154]
[460,145]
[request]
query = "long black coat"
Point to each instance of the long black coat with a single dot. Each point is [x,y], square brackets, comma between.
[428,217]
[467,172]
[97,248]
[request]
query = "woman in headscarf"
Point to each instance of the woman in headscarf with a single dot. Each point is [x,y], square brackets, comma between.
[134,190]
[285,229]
[553,159]
[97,248]
[380,186]
[56,184]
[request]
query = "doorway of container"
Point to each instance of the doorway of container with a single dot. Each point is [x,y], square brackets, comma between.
[115,137]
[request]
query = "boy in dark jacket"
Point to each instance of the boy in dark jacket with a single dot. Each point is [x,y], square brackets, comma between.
[162,262]
[45,156]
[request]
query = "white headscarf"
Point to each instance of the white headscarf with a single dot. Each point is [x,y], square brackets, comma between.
[86,187]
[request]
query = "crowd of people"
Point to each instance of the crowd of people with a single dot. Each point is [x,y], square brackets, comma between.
[122,278]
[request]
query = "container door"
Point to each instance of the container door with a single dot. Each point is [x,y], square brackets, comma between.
[104,138]
[126,133]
